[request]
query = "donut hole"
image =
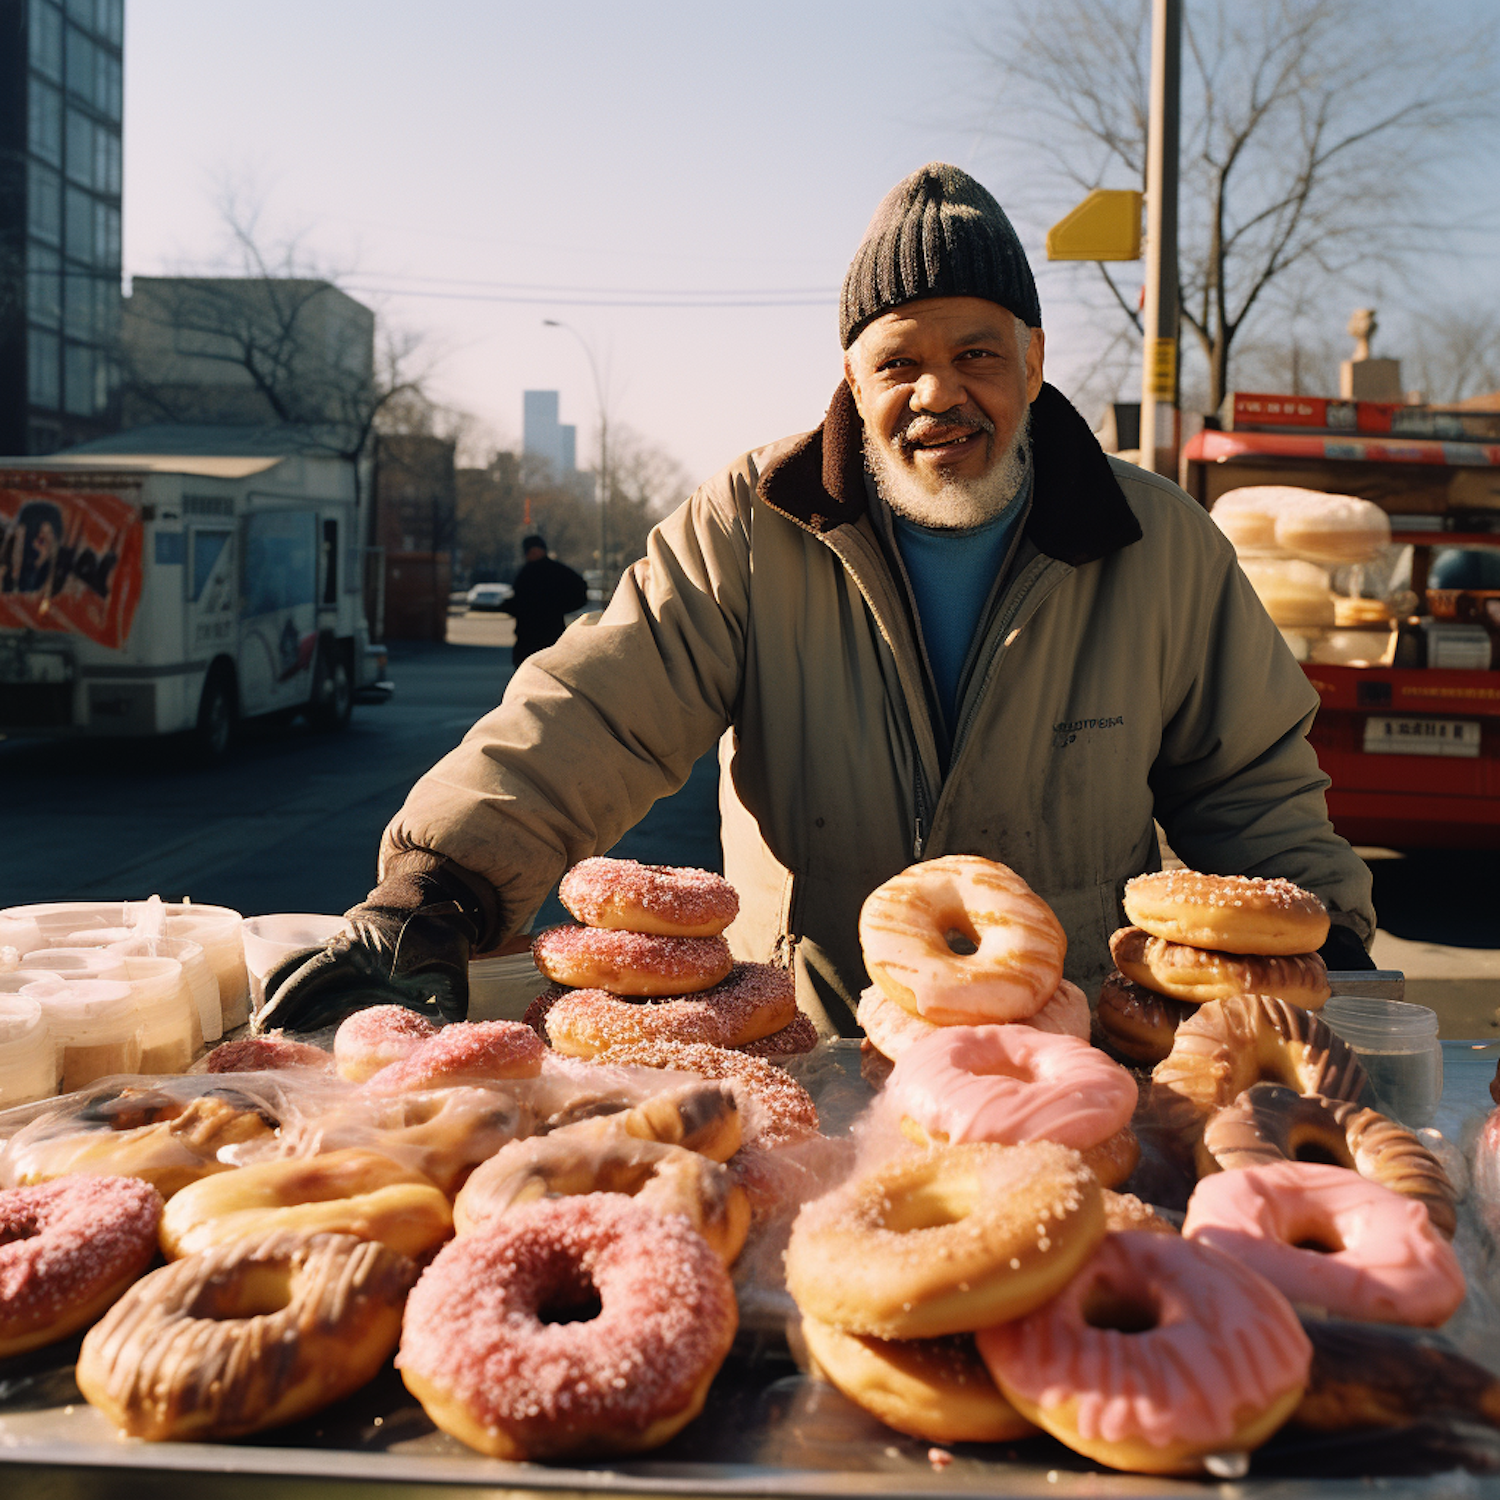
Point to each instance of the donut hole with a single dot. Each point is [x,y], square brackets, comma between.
[964,943]
[570,1304]
[1319,1152]
[13,1233]
[1127,1309]
[1318,1235]
[256,1291]
[930,1205]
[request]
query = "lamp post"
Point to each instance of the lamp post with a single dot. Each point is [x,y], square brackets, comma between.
[603,481]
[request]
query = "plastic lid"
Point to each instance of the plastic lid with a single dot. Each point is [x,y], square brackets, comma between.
[44,980]
[1365,1021]
[89,1004]
[184,949]
[21,1019]
[78,963]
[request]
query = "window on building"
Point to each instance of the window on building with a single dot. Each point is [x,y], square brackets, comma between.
[78,304]
[106,309]
[44,121]
[44,204]
[80,64]
[43,285]
[106,236]
[46,39]
[42,369]
[111,98]
[111,162]
[78,216]
[110,20]
[103,384]
[79,363]
[80,164]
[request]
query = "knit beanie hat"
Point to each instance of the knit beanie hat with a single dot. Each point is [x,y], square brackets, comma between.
[937,233]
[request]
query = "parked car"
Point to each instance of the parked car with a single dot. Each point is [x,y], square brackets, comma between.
[488,595]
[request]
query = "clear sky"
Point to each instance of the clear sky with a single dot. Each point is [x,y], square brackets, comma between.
[550,156]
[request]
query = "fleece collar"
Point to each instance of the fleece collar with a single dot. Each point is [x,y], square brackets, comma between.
[1078,514]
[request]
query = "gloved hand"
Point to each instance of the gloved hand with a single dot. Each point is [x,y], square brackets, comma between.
[408,944]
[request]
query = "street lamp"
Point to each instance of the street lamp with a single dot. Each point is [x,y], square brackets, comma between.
[603,480]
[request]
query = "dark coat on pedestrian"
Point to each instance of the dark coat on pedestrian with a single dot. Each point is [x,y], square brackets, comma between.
[544,594]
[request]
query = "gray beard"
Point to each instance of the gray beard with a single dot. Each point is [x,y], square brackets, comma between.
[957,504]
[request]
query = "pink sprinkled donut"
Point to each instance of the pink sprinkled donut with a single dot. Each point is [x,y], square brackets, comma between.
[573,1326]
[254,1054]
[372,1039]
[1011,1084]
[68,1249]
[1158,1353]
[893,1028]
[1377,1256]
[466,1051]
[659,899]
[630,963]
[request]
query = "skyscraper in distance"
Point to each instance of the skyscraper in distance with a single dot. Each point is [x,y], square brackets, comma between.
[544,436]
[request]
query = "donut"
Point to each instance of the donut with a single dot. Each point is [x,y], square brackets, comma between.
[1228,913]
[1158,1354]
[248,1335]
[373,1038]
[1124,1211]
[1014,946]
[1137,1023]
[254,1054]
[356,1192]
[1114,1158]
[798,1037]
[573,1326]
[699,1116]
[657,899]
[535,1014]
[1269,1123]
[946,1240]
[893,1028]
[1011,1084]
[1230,1044]
[1331,1238]
[566,1164]
[874,1066]
[464,1051]
[755,1001]
[630,963]
[68,1249]
[934,1389]
[1198,974]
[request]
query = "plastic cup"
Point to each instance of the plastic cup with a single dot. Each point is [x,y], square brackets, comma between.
[96,1030]
[28,1063]
[216,929]
[202,985]
[1398,1044]
[170,1033]
[269,939]
[78,963]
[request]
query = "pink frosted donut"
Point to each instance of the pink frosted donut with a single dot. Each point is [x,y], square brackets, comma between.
[253,1054]
[1384,1262]
[488,1347]
[373,1038]
[1157,1354]
[464,1052]
[630,963]
[893,1028]
[68,1249]
[1011,1084]
[659,899]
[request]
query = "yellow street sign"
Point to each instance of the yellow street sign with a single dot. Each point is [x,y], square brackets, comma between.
[1161,362]
[1105,226]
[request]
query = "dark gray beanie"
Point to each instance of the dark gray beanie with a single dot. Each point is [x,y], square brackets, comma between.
[937,233]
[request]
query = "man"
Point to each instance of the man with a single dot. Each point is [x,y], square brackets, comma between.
[544,594]
[942,622]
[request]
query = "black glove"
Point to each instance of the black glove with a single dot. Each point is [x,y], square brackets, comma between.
[409,944]
[1343,950]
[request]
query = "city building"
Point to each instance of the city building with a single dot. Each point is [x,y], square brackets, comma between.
[543,436]
[61,86]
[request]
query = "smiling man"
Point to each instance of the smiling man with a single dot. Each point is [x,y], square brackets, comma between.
[942,622]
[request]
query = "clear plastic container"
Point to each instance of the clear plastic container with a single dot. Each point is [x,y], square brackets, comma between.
[20,933]
[1398,1044]
[170,1031]
[500,989]
[269,939]
[78,963]
[13,981]
[202,984]
[95,1029]
[28,1063]
[216,929]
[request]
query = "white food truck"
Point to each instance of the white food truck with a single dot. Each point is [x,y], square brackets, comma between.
[146,594]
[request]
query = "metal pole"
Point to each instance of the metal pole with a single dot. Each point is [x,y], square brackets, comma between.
[1160,421]
[602,485]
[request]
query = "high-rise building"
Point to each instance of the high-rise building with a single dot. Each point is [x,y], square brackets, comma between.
[61,88]
[544,436]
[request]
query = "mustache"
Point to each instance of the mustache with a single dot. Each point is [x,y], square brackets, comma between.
[920,427]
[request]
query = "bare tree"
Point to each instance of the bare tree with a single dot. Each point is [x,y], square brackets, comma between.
[1455,355]
[1313,136]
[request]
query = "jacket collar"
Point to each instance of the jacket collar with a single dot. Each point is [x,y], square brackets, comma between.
[1079,513]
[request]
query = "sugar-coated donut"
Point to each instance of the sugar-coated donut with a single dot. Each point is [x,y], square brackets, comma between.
[466,1051]
[945,1241]
[1124,1211]
[68,1249]
[1114,1158]
[893,1028]
[653,1315]
[630,963]
[1331,1238]
[1199,974]
[252,1054]
[1018,945]
[376,1037]
[934,1389]
[362,1193]
[246,1336]
[658,899]
[1229,913]
[797,1037]
[1137,1023]
[1158,1354]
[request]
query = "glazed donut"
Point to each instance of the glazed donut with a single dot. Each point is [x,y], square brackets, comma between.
[1111,1161]
[1158,1354]
[565,1165]
[245,1336]
[934,1389]
[1124,1211]
[1197,974]
[1331,1238]
[1269,1123]
[755,1001]
[376,1037]
[631,963]
[1011,1084]
[653,1315]
[466,1051]
[1018,944]
[798,1037]
[1230,1044]
[945,1241]
[1229,913]
[68,1249]
[701,1117]
[658,899]
[1136,1022]
[893,1028]
[254,1054]
[353,1192]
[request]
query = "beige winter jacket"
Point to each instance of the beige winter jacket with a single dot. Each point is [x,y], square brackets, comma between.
[1126,670]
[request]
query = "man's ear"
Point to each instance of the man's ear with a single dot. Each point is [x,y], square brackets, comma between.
[1034,353]
[853,382]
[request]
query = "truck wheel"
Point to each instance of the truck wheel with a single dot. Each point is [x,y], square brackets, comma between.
[213,738]
[332,702]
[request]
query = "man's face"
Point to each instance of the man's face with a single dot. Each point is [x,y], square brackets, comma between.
[944,390]
[535,554]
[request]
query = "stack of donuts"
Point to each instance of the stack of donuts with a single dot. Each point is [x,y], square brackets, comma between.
[1196,938]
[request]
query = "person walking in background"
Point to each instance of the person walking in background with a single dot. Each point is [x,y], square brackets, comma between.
[544,594]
